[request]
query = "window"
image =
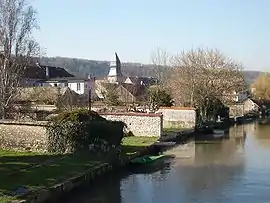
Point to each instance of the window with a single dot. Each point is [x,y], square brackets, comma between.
[78,86]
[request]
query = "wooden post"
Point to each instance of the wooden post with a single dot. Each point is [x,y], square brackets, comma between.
[89,92]
[89,100]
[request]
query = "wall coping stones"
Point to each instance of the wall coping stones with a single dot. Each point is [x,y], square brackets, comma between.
[133,114]
[178,108]
[27,123]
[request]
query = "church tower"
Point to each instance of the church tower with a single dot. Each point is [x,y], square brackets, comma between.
[115,74]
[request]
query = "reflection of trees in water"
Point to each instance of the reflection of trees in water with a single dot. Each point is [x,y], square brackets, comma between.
[237,131]
[250,127]
[220,152]
[105,190]
[210,179]
[215,166]
[262,135]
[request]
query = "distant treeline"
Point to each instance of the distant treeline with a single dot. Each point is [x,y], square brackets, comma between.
[84,67]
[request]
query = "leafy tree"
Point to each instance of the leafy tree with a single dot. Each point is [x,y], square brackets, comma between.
[159,97]
[111,97]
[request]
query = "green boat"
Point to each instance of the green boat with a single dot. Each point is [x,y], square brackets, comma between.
[146,159]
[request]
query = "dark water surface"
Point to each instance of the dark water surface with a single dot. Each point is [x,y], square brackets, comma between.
[235,170]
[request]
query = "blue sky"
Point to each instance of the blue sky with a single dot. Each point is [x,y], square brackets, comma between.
[95,29]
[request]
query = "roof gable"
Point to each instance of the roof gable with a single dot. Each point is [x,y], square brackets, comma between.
[45,72]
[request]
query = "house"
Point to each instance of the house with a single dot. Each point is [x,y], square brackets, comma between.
[39,102]
[244,107]
[127,93]
[263,104]
[37,72]
[240,96]
[44,95]
[135,80]
[79,85]
[236,96]
[130,93]
[50,76]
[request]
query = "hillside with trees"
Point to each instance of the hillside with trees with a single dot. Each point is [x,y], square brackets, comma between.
[84,67]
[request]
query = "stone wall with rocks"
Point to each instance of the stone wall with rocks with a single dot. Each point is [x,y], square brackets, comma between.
[178,117]
[23,136]
[139,124]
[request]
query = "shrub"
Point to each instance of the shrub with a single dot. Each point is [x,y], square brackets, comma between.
[159,97]
[80,130]
[78,115]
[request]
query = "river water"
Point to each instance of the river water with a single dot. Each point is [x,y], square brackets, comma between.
[232,171]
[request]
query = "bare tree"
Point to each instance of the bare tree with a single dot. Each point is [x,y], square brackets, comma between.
[161,63]
[203,77]
[17,47]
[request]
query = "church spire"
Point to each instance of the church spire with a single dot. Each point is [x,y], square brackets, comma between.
[115,74]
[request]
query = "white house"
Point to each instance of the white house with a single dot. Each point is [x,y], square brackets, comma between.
[50,76]
[79,85]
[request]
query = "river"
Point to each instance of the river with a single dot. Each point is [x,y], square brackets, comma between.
[232,171]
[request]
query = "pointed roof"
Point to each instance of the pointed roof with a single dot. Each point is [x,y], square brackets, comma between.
[115,67]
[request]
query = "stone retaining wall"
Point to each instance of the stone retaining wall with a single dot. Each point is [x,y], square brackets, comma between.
[178,117]
[23,135]
[32,135]
[140,124]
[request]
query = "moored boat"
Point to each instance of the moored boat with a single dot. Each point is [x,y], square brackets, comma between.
[146,159]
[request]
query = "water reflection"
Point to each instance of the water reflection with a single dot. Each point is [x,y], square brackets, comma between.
[262,135]
[105,190]
[233,170]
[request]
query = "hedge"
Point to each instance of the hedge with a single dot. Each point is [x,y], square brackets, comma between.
[80,130]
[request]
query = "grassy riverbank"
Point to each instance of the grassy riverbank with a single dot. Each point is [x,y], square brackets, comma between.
[36,171]
[133,144]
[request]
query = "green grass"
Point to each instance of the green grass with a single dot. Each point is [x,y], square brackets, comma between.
[13,171]
[17,168]
[134,144]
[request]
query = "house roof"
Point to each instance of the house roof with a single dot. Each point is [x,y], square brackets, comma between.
[63,79]
[138,80]
[39,72]
[115,67]
[136,90]
[34,94]
[261,102]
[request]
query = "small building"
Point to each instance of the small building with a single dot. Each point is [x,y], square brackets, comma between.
[78,85]
[236,96]
[127,93]
[51,76]
[244,107]
[135,80]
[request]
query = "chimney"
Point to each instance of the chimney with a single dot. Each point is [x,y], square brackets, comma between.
[47,71]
